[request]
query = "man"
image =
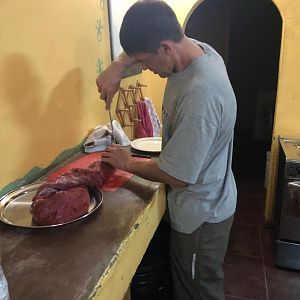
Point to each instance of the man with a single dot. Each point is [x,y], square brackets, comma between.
[199,110]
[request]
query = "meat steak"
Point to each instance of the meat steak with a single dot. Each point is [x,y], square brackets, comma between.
[67,197]
[61,207]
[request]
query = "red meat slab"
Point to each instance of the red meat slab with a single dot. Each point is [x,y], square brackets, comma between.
[118,178]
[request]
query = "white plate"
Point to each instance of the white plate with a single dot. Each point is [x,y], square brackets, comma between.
[149,144]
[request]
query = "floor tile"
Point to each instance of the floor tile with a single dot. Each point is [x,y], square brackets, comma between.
[268,246]
[236,298]
[245,240]
[250,209]
[283,284]
[249,267]
[244,277]
[250,186]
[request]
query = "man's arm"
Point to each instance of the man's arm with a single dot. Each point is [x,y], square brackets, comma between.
[120,159]
[108,81]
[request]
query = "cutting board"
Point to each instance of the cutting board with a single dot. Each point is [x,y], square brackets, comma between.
[118,178]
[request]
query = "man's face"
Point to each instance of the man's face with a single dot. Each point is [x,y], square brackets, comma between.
[159,63]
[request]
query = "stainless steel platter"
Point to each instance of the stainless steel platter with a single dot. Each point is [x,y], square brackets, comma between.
[15,206]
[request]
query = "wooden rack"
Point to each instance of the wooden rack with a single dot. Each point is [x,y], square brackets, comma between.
[126,108]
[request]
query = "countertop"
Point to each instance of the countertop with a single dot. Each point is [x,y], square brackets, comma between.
[94,258]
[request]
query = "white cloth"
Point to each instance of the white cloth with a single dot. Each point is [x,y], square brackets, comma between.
[99,140]
[120,135]
[102,137]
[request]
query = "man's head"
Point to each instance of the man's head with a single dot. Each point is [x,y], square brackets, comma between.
[147,28]
[146,24]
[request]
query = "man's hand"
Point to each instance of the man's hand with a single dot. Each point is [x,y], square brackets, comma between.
[108,82]
[117,156]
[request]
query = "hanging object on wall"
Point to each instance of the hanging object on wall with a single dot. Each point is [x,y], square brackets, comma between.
[99,66]
[99,29]
[126,108]
[99,34]
[101,4]
[138,112]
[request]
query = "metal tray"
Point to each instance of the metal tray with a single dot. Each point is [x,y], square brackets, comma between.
[15,206]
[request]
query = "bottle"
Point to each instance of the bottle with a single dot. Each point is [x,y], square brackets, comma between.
[4,295]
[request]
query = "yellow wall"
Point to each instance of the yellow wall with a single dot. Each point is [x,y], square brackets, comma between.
[48,65]
[49,52]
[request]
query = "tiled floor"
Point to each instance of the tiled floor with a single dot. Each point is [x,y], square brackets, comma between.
[249,267]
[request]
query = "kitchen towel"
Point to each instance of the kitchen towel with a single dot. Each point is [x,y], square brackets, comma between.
[98,140]
[101,137]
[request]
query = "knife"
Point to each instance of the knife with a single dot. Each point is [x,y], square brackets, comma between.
[112,128]
[111,124]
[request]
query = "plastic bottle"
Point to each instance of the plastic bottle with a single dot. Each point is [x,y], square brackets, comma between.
[4,295]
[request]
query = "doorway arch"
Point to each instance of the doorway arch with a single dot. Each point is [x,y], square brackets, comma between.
[248,36]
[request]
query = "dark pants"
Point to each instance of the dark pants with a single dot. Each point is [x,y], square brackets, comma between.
[197,261]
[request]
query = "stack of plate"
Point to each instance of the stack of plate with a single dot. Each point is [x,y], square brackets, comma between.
[148,145]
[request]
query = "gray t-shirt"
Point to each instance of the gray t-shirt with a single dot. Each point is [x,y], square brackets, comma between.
[199,112]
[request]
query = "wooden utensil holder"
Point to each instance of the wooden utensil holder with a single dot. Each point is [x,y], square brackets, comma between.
[126,108]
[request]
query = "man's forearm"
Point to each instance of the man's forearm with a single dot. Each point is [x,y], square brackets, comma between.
[125,61]
[150,171]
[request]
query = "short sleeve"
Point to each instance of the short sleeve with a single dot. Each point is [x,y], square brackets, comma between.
[185,153]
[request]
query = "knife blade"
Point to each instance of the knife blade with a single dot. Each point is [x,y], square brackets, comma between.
[111,124]
[112,128]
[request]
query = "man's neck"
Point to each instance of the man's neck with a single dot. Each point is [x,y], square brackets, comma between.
[184,53]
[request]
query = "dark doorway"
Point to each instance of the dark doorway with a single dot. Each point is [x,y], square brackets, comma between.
[248,36]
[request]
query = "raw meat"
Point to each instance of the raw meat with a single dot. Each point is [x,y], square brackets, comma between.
[61,207]
[67,197]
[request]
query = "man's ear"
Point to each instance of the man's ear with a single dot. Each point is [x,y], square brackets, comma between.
[165,46]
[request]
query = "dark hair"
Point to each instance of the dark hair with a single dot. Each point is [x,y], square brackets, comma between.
[146,24]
